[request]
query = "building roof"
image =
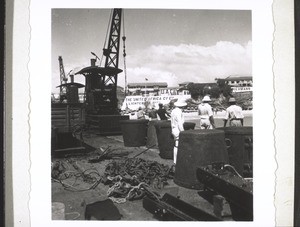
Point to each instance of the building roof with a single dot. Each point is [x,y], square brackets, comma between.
[149,84]
[78,85]
[205,84]
[119,88]
[185,83]
[95,70]
[238,77]
[173,87]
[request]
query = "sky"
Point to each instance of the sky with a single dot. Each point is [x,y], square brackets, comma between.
[162,45]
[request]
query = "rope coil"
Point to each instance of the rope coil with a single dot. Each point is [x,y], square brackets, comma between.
[131,179]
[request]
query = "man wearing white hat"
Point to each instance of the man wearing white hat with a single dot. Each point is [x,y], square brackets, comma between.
[234,114]
[206,114]
[177,121]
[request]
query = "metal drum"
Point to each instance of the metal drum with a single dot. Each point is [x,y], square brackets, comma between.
[198,148]
[134,132]
[151,135]
[189,125]
[165,139]
[239,142]
[72,94]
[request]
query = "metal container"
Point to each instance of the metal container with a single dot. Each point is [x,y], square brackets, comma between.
[239,142]
[151,135]
[72,94]
[189,125]
[198,148]
[134,132]
[165,139]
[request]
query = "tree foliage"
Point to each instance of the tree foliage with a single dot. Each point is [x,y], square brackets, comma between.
[224,88]
[213,89]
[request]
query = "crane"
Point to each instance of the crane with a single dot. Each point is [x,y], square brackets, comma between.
[68,91]
[63,80]
[66,116]
[101,82]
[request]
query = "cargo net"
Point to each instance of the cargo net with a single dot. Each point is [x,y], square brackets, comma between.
[133,178]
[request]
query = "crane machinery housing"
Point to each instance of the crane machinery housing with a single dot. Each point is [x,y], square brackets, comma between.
[100,109]
[66,115]
[101,83]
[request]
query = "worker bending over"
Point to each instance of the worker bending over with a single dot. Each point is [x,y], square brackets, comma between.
[234,114]
[177,121]
[206,114]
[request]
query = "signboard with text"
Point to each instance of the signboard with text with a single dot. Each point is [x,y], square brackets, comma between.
[134,102]
[241,89]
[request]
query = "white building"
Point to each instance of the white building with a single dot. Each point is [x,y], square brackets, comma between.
[239,81]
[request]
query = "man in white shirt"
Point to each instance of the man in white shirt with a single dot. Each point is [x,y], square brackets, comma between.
[177,121]
[234,114]
[206,114]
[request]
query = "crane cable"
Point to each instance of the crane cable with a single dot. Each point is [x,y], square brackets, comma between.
[124,52]
[107,30]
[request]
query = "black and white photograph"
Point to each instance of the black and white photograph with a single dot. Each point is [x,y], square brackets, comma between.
[153,113]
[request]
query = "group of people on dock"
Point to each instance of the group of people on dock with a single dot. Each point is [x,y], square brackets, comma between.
[233,114]
[160,114]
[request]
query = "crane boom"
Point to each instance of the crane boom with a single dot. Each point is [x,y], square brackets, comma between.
[101,82]
[63,79]
[112,51]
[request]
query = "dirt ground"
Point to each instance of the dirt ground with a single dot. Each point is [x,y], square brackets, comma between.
[76,201]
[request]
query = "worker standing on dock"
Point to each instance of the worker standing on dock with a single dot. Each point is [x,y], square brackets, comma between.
[177,121]
[206,114]
[162,113]
[234,114]
[152,114]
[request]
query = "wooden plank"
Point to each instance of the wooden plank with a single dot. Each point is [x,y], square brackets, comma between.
[75,110]
[58,123]
[70,149]
[58,117]
[58,120]
[58,111]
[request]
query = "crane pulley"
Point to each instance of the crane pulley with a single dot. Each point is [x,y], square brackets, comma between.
[124,54]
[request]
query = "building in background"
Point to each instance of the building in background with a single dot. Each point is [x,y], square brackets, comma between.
[150,94]
[239,83]
[147,88]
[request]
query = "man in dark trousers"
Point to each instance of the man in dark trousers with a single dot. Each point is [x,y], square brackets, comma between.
[153,114]
[162,113]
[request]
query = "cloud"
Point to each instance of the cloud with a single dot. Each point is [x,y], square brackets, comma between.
[194,63]
[175,64]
